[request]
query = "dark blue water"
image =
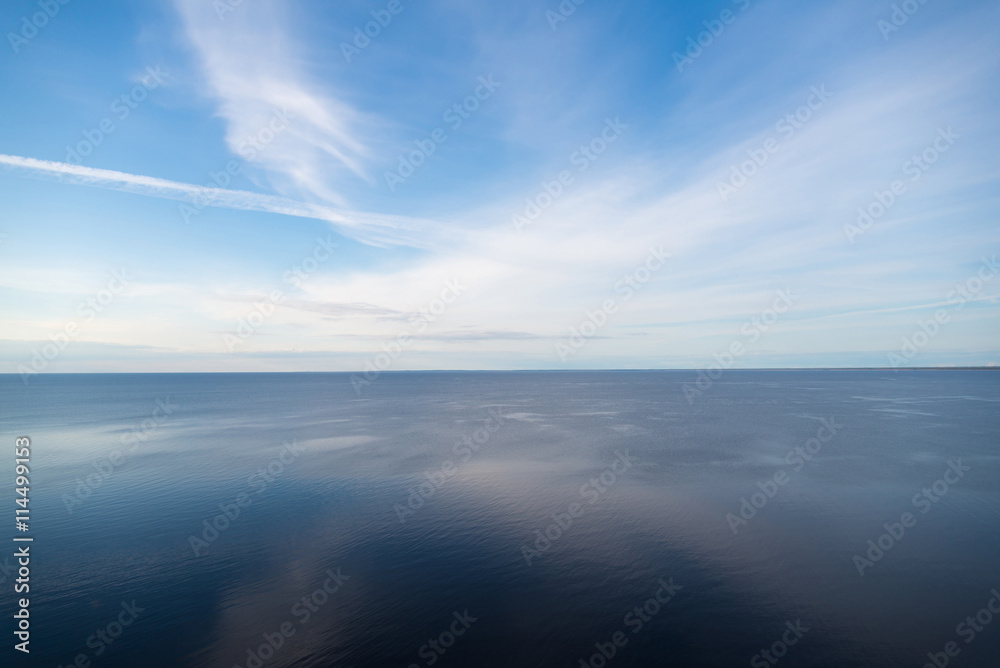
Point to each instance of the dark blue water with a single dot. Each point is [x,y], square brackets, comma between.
[405,526]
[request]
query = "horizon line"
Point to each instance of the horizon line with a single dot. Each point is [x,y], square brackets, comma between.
[401,371]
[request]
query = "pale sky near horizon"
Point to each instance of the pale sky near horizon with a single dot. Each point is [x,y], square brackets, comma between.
[261,186]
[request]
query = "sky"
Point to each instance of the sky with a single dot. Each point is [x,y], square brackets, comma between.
[238,185]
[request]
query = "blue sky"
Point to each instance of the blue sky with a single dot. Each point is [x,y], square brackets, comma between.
[555,149]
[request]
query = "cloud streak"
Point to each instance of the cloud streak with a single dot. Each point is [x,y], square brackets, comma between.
[251,68]
[373,229]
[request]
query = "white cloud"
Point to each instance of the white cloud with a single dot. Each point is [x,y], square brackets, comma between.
[370,228]
[253,70]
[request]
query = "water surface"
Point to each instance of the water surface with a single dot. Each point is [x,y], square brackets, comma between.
[430,491]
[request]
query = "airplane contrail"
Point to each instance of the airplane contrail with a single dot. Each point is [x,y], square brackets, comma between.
[374,229]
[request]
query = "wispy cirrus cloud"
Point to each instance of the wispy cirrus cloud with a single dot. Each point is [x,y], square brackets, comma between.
[375,229]
[251,68]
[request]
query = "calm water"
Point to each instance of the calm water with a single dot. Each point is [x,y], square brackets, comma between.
[429,492]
